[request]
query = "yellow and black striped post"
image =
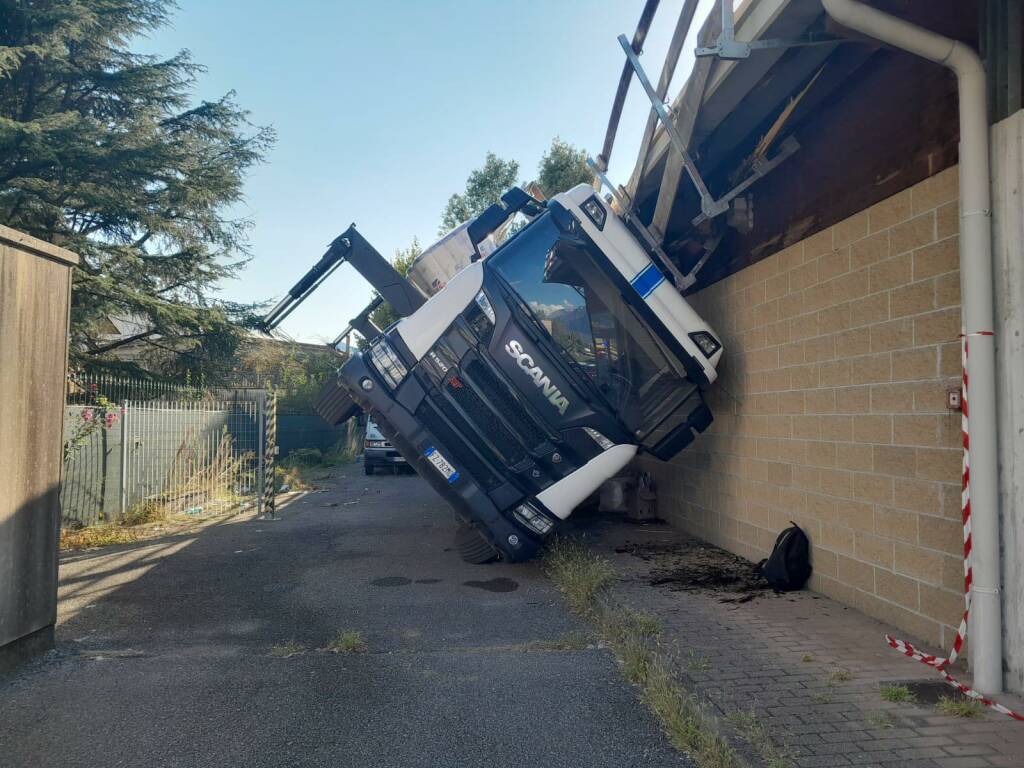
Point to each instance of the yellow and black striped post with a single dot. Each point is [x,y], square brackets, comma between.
[269,455]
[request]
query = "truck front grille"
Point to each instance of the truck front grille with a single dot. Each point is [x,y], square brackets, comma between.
[486,421]
[464,455]
[498,394]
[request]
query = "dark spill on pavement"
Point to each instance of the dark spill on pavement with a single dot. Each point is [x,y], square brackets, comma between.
[391,581]
[428,581]
[494,585]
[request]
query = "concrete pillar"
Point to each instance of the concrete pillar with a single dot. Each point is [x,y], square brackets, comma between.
[1008,271]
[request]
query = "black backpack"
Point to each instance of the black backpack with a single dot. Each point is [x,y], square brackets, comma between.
[789,566]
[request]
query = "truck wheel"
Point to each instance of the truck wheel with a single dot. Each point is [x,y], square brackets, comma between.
[367,468]
[472,546]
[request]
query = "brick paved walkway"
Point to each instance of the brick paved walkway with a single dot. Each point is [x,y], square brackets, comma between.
[786,657]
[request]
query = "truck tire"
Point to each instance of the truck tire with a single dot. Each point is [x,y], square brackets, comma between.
[472,546]
[367,468]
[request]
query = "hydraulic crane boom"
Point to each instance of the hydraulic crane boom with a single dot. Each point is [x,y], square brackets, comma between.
[350,246]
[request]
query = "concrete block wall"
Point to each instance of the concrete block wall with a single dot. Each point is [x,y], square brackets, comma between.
[831,411]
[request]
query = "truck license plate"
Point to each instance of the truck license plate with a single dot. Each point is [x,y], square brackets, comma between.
[442,464]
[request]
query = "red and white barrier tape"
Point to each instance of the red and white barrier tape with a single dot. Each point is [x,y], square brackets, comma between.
[906,648]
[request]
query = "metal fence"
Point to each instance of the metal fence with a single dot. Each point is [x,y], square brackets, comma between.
[169,450]
[191,457]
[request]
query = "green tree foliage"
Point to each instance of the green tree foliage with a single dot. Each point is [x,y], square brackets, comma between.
[297,372]
[562,167]
[484,187]
[104,152]
[384,315]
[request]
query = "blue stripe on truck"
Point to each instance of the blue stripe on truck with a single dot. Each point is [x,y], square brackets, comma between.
[647,280]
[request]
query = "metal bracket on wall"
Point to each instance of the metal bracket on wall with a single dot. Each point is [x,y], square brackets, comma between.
[729,48]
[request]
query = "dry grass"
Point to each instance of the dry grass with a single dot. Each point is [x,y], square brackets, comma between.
[287,649]
[837,676]
[683,718]
[348,641]
[148,511]
[584,577]
[757,734]
[898,694]
[880,720]
[96,536]
[580,574]
[960,707]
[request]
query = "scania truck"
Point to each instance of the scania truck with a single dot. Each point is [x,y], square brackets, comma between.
[521,377]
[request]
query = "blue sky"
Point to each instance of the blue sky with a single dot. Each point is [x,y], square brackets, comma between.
[383,108]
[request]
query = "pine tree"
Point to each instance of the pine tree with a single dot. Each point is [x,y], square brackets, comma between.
[103,151]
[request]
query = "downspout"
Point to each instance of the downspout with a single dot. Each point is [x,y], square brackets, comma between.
[986,648]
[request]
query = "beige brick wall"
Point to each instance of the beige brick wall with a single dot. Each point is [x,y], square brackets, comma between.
[831,411]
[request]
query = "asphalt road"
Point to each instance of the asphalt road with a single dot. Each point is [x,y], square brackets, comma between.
[165,652]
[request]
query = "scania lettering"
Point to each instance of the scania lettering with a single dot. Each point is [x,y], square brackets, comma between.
[523,374]
[551,392]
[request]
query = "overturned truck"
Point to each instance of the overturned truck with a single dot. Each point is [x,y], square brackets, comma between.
[519,378]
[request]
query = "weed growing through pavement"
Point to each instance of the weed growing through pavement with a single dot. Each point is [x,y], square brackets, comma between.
[584,577]
[580,574]
[756,733]
[288,649]
[837,676]
[960,707]
[880,720]
[898,694]
[697,663]
[807,658]
[822,697]
[348,641]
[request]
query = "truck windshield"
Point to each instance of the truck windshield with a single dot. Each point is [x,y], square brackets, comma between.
[584,313]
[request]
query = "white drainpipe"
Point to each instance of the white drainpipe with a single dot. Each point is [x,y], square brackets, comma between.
[986,642]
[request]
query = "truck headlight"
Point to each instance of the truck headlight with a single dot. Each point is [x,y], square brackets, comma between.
[595,211]
[531,518]
[387,363]
[707,343]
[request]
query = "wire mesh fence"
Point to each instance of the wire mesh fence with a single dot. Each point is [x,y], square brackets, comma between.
[170,450]
[191,457]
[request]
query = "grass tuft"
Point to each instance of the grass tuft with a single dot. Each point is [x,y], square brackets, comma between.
[696,663]
[880,720]
[807,658]
[148,511]
[683,718]
[288,649]
[583,577]
[838,675]
[898,694]
[578,572]
[757,734]
[349,641]
[960,707]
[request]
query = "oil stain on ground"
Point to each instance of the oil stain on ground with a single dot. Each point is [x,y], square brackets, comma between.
[391,581]
[494,585]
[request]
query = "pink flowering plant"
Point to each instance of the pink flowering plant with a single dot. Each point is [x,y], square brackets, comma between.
[101,413]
